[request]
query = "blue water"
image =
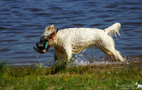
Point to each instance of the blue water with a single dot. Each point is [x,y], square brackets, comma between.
[22,23]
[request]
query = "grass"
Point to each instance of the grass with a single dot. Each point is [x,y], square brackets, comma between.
[101,77]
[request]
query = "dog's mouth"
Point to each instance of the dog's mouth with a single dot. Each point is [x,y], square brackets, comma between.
[42,47]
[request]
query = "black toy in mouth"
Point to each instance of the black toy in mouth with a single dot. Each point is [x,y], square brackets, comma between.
[42,47]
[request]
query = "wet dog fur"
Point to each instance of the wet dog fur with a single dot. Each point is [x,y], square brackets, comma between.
[73,40]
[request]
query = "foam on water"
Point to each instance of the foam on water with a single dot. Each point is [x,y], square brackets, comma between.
[82,60]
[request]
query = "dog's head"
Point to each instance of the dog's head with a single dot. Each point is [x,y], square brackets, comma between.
[46,39]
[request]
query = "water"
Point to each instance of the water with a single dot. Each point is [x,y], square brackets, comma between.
[22,23]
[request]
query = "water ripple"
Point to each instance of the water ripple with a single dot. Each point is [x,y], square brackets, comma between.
[23,22]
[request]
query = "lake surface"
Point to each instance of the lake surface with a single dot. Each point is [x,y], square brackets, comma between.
[22,22]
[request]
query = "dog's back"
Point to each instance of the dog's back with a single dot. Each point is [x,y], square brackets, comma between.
[79,38]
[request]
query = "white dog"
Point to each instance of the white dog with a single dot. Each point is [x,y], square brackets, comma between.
[138,85]
[73,40]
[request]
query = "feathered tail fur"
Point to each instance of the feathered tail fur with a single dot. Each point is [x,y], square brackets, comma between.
[113,29]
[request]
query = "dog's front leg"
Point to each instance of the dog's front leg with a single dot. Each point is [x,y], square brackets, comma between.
[58,55]
[55,57]
[68,53]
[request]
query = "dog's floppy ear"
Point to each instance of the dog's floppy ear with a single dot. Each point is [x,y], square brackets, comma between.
[50,28]
[57,30]
[52,35]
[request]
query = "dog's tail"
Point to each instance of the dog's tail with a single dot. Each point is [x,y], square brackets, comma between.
[113,29]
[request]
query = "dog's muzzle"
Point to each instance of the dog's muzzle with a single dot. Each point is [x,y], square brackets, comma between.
[42,47]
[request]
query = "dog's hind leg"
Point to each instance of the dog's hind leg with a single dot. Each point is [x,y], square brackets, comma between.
[118,56]
[114,54]
[109,49]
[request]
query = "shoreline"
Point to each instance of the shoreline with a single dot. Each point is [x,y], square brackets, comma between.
[103,61]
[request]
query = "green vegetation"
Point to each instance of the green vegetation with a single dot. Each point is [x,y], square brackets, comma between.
[100,77]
